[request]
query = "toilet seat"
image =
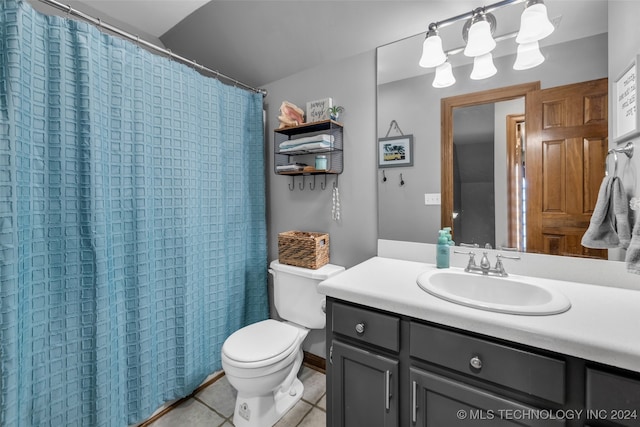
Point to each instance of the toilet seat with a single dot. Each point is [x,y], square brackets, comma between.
[261,344]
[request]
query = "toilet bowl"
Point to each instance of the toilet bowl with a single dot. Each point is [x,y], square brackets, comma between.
[262,360]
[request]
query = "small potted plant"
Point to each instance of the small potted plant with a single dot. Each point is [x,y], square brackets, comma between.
[334,112]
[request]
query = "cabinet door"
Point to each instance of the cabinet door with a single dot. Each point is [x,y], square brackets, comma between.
[364,388]
[437,401]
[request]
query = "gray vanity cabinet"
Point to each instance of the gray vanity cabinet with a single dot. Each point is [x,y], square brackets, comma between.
[365,388]
[387,370]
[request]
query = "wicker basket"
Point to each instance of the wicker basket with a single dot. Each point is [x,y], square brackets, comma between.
[303,249]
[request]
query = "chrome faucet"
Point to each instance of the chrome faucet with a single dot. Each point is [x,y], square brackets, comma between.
[485,265]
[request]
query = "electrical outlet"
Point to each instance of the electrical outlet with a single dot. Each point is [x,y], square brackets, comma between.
[432,199]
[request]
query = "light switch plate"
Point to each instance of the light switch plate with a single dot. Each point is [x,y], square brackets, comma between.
[432,199]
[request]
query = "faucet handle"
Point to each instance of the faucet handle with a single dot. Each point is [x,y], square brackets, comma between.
[499,267]
[472,258]
[498,256]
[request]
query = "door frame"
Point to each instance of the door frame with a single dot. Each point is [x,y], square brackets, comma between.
[446,148]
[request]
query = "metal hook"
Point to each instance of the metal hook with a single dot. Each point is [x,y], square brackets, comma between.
[324,185]
[401,181]
[292,186]
[313,187]
[302,184]
[335,183]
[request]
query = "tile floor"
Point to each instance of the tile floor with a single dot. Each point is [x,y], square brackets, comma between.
[213,406]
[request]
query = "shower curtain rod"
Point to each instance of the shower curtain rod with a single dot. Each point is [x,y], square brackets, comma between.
[99,23]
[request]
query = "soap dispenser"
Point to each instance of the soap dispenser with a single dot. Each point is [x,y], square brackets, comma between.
[442,250]
[449,236]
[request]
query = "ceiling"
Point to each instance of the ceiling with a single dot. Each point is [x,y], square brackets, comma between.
[262,41]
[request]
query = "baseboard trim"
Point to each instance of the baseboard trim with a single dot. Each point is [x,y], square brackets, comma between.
[315,362]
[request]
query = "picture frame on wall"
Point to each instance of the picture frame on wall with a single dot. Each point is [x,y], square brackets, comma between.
[626,120]
[395,151]
[318,110]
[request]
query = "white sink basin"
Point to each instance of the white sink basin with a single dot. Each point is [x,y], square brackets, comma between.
[500,294]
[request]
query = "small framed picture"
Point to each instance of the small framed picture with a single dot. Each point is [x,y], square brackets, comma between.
[395,151]
[626,121]
[318,110]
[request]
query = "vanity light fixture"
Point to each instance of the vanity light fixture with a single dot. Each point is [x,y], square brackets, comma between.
[444,76]
[478,35]
[432,53]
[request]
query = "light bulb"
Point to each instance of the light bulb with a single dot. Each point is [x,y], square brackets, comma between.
[529,56]
[444,76]
[432,53]
[534,23]
[483,67]
[479,39]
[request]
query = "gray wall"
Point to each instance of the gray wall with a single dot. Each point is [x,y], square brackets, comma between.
[351,83]
[403,214]
[353,239]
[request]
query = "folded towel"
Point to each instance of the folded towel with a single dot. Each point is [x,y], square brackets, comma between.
[325,138]
[307,147]
[633,252]
[600,234]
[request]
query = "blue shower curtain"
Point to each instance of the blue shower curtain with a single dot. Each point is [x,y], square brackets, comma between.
[132,223]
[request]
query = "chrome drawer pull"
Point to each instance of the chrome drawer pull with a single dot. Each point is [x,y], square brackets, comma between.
[360,328]
[388,389]
[414,403]
[475,362]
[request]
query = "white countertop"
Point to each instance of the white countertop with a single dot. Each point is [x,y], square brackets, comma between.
[602,325]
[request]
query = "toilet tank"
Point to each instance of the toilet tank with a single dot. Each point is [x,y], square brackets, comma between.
[295,293]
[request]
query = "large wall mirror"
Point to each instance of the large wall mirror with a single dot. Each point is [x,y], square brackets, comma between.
[575,52]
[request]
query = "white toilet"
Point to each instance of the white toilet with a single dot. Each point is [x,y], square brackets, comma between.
[262,360]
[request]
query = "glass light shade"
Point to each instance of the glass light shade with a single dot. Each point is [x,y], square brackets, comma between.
[483,67]
[432,53]
[444,76]
[479,39]
[529,56]
[534,24]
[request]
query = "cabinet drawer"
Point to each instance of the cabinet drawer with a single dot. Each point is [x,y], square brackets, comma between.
[368,326]
[520,370]
[613,398]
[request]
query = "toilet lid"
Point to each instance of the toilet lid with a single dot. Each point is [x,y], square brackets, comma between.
[260,341]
